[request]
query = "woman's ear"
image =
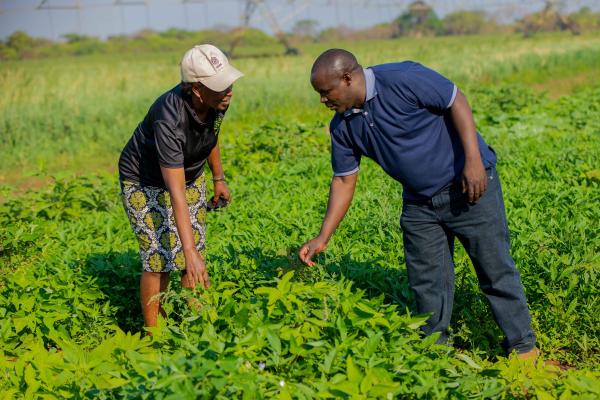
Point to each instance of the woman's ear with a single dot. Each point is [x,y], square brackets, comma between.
[196,91]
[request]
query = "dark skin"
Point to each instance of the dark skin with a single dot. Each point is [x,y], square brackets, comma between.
[341,90]
[153,283]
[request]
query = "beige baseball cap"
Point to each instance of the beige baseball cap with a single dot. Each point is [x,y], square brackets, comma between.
[208,65]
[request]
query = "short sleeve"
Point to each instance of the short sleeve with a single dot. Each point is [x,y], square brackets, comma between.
[217,123]
[431,89]
[345,159]
[169,145]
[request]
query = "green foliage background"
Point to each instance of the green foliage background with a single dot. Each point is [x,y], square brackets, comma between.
[269,328]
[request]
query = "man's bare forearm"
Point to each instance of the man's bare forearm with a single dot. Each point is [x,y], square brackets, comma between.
[341,192]
[474,179]
[465,125]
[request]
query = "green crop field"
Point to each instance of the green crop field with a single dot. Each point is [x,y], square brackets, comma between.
[70,320]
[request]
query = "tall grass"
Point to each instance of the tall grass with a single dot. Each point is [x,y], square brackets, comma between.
[76,113]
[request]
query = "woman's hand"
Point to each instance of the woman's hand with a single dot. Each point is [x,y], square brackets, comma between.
[221,192]
[195,270]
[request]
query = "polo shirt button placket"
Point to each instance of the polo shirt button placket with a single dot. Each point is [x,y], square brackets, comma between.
[370,122]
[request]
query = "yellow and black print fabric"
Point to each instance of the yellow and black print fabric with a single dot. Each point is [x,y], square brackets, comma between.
[152,218]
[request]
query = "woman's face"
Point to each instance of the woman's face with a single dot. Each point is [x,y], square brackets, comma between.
[217,100]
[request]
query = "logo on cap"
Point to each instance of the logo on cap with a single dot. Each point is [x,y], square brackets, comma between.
[216,62]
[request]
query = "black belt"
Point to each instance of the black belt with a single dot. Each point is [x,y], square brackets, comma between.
[455,189]
[419,202]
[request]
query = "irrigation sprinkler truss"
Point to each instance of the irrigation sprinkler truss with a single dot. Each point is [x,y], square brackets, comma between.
[75,5]
[278,19]
[46,5]
[124,3]
[186,11]
[275,22]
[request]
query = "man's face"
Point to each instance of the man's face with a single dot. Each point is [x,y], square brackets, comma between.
[334,91]
[217,100]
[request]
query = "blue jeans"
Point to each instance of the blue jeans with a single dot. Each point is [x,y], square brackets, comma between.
[429,228]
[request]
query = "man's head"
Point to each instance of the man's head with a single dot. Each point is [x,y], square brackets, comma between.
[339,80]
[207,74]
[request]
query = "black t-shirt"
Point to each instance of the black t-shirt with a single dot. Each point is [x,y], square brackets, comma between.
[171,135]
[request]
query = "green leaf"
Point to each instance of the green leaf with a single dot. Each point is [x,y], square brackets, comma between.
[469,361]
[274,342]
[31,381]
[326,366]
[417,321]
[372,344]
[353,372]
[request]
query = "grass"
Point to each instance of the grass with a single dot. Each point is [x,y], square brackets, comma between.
[78,113]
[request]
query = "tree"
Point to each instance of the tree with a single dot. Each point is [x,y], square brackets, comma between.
[175,33]
[306,28]
[20,41]
[584,20]
[418,20]
[465,23]
[76,38]
[549,19]
[23,45]
[341,32]
[7,53]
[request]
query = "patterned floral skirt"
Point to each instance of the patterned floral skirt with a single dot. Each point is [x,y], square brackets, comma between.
[152,218]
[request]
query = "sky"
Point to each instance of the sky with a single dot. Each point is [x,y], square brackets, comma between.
[103,18]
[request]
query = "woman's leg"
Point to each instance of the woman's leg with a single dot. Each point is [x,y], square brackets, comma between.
[151,285]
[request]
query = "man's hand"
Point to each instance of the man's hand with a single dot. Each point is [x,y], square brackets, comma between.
[221,191]
[310,249]
[474,180]
[195,271]
[341,192]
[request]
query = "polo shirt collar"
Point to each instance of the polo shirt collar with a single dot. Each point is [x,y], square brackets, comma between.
[371,92]
[187,104]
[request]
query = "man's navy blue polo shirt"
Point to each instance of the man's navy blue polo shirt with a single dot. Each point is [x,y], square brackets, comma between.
[405,126]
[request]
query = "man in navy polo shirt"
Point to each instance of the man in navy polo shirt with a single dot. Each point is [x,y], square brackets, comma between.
[417,125]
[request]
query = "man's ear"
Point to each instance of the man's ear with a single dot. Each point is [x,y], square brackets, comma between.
[347,78]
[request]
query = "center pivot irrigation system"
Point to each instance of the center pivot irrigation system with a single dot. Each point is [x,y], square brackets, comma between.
[277,14]
[274,20]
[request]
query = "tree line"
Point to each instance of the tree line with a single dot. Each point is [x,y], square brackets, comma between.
[419,20]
